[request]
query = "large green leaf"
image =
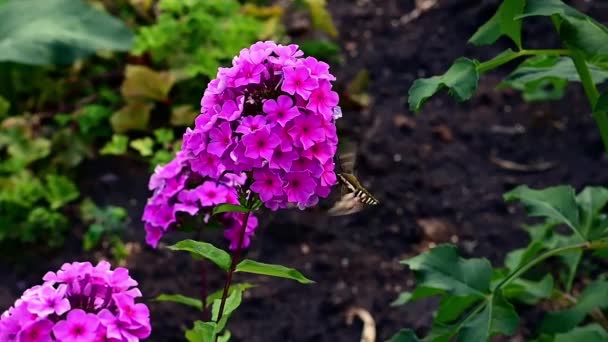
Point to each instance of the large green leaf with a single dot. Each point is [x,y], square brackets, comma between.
[236,287]
[593,297]
[57,31]
[251,266]
[546,77]
[498,317]
[503,22]
[205,250]
[588,333]
[557,203]
[460,79]
[443,269]
[529,291]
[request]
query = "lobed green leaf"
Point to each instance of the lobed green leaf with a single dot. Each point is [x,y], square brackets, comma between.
[504,22]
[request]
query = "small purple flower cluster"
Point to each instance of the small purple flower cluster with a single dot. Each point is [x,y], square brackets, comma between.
[271,115]
[80,302]
[178,189]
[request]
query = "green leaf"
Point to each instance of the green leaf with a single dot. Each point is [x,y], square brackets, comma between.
[504,22]
[92,236]
[60,190]
[251,266]
[183,115]
[460,79]
[556,203]
[4,106]
[402,299]
[232,303]
[205,250]
[164,135]
[229,208]
[321,18]
[142,82]
[91,117]
[116,146]
[202,332]
[443,269]
[135,115]
[145,146]
[594,296]
[591,201]
[585,34]
[177,298]
[404,335]
[451,307]
[236,287]
[529,291]
[57,31]
[498,317]
[588,333]
[546,77]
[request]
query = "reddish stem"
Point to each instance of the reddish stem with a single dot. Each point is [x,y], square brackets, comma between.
[235,258]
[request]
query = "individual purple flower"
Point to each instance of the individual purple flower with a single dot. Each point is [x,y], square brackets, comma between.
[251,124]
[307,130]
[36,331]
[282,159]
[267,184]
[260,143]
[79,326]
[50,301]
[323,100]
[221,139]
[282,110]
[299,186]
[210,193]
[234,223]
[299,81]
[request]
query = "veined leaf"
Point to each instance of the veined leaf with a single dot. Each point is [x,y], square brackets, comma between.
[591,201]
[529,291]
[588,333]
[251,266]
[57,31]
[205,250]
[503,22]
[556,203]
[443,269]
[546,77]
[232,303]
[498,317]
[236,287]
[229,208]
[460,80]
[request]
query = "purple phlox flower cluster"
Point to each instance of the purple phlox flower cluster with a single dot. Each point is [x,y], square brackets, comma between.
[79,303]
[271,115]
[181,189]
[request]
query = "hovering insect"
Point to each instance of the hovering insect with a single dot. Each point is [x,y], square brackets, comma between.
[354,196]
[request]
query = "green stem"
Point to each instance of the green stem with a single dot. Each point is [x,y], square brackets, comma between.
[601,119]
[496,62]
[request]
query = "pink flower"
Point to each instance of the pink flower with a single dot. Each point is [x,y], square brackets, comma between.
[50,301]
[299,187]
[282,110]
[328,177]
[282,159]
[210,193]
[267,184]
[207,164]
[260,143]
[36,331]
[195,141]
[231,110]
[318,69]
[221,139]
[298,81]
[323,100]
[234,222]
[251,124]
[249,73]
[153,235]
[307,130]
[79,326]
[322,151]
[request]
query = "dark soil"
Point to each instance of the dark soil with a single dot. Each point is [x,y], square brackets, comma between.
[433,171]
